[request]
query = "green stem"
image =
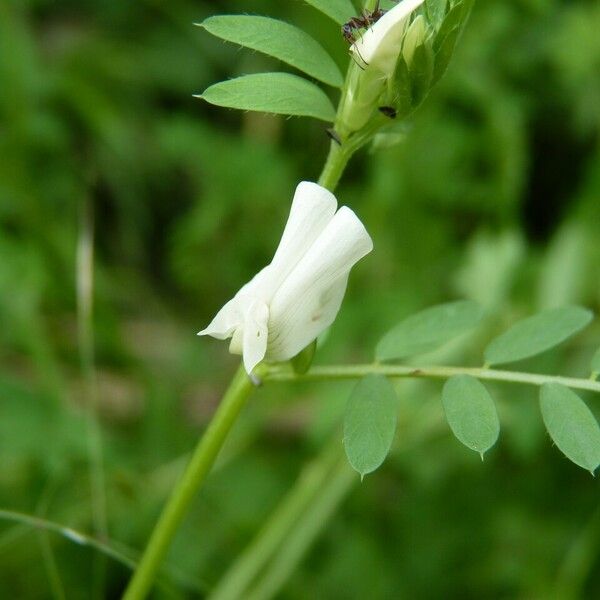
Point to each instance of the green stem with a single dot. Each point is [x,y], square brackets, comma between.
[335,164]
[333,372]
[201,463]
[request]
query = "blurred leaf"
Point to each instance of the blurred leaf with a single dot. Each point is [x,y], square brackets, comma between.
[448,35]
[571,425]
[429,329]
[278,39]
[338,10]
[596,362]
[537,334]
[302,361]
[370,423]
[278,93]
[563,271]
[471,413]
[491,263]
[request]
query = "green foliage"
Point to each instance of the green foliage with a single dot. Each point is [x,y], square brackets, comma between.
[277,93]
[421,73]
[370,423]
[571,425]
[499,162]
[471,413]
[338,10]
[448,35]
[596,363]
[278,39]
[428,330]
[537,334]
[302,361]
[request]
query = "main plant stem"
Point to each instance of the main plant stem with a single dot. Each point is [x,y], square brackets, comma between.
[213,439]
[200,465]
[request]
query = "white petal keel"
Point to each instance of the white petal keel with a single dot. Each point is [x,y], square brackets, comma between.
[309,299]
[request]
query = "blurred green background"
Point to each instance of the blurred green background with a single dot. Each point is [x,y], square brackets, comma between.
[494,195]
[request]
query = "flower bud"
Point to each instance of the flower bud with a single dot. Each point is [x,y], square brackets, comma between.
[376,53]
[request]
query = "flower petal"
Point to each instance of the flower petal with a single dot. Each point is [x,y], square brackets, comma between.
[381,44]
[309,299]
[225,321]
[312,209]
[255,334]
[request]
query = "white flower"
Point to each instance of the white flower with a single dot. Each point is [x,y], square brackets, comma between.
[291,301]
[380,45]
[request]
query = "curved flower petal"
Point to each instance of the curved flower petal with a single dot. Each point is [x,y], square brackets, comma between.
[312,209]
[309,299]
[255,334]
[225,321]
[379,46]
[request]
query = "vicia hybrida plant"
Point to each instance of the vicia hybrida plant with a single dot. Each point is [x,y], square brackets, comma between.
[394,60]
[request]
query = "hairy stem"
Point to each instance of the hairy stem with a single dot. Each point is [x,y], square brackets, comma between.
[333,372]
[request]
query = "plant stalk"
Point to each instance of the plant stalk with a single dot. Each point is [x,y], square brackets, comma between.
[200,465]
[336,372]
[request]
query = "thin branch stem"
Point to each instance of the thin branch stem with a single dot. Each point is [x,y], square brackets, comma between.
[337,372]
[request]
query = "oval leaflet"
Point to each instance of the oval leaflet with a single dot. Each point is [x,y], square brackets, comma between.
[571,425]
[370,423]
[429,329]
[471,413]
[536,334]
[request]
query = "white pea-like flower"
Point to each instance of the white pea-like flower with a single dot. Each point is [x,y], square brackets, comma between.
[298,295]
[380,45]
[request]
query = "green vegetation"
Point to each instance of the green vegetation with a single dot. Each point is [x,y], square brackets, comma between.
[490,195]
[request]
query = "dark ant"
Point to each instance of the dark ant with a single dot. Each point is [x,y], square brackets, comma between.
[388,111]
[365,21]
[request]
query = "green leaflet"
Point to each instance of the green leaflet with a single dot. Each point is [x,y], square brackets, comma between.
[370,423]
[596,363]
[448,35]
[571,425]
[537,334]
[278,39]
[429,329]
[278,93]
[338,10]
[471,413]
